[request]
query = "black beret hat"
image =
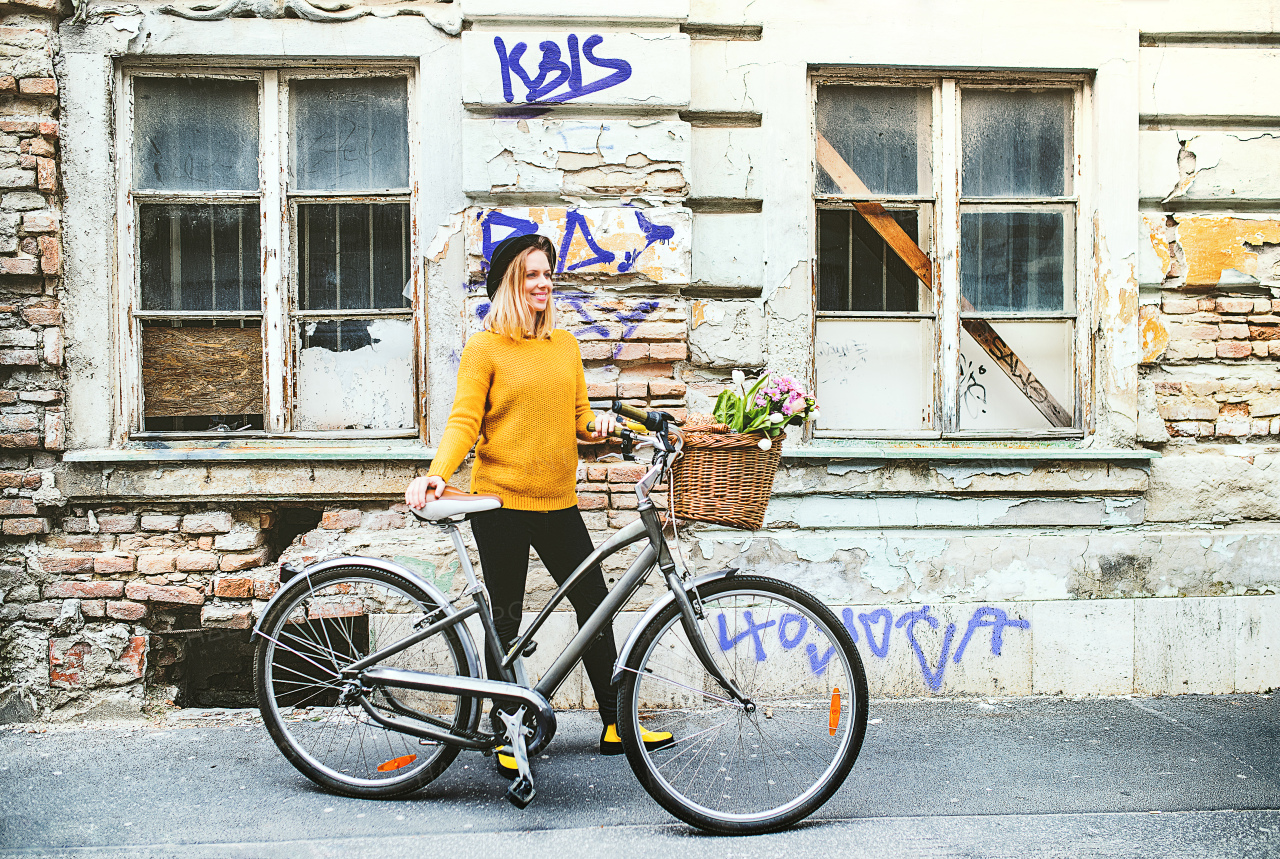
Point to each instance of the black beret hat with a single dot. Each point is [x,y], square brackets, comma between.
[506,252]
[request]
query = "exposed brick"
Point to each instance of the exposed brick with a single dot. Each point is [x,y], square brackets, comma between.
[623,501]
[48,128]
[18,423]
[1273,349]
[53,346]
[42,397]
[78,543]
[596,350]
[1169,304]
[602,392]
[75,525]
[1233,331]
[197,561]
[50,256]
[155,565]
[37,315]
[622,518]
[17,507]
[1234,349]
[47,174]
[134,656]
[123,610]
[233,587]
[666,388]
[234,561]
[55,430]
[8,398]
[631,352]
[226,617]
[113,564]
[1235,305]
[93,608]
[83,590]
[176,594]
[207,523]
[16,177]
[26,527]
[593,501]
[20,440]
[633,390]
[660,331]
[668,351]
[113,523]
[626,473]
[338,520]
[160,522]
[20,126]
[45,221]
[65,565]
[597,472]
[1192,331]
[42,611]
[264,590]
[19,265]
[8,85]
[1264,332]
[204,543]
[1259,349]
[38,86]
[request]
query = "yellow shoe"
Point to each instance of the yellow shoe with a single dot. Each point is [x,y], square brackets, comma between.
[611,743]
[506,762]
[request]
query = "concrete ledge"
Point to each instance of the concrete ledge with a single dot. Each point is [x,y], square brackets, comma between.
[939,451]
[282,451]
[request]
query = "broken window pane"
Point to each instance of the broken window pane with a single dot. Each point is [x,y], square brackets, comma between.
[857,270]
[199,257]
[1016,143]
[989,400]
[350,134]
[195,134]
[200,375]
[355,374]
[353,256]
[882,133]
[875,374]
[1013,261]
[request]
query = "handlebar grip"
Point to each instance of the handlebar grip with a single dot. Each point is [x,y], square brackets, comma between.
[630,411]
[652,421]
[622,432]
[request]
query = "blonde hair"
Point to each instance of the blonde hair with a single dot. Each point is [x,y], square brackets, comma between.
[509,314]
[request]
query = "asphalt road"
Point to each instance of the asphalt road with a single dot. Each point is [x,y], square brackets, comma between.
[1171,777]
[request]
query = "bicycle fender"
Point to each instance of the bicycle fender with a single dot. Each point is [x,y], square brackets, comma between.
[468,645]
[659,605]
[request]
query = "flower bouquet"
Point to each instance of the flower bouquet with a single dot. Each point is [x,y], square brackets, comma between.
[731,456]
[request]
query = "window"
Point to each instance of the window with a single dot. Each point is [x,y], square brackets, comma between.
[981,177]
[273,260]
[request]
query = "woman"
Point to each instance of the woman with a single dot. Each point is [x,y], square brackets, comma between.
[522,392]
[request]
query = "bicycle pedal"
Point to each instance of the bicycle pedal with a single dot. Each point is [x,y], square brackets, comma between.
[521,792]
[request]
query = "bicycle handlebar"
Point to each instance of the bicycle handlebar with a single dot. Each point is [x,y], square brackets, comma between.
[627,431]
[652,421]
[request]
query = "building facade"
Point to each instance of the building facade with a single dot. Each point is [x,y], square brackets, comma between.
[1026,255]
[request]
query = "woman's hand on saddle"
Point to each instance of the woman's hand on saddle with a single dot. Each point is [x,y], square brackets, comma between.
[424,489]
[605,423]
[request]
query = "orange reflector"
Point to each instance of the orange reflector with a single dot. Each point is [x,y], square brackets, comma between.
[398,763]
[834,719]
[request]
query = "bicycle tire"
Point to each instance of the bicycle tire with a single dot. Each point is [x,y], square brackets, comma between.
[775,766]
[320,624]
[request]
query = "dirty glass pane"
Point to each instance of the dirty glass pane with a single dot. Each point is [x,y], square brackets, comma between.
[882,133]
[199,257]
[195,134]
[350,134]
[1013,261]
[1016,143]
[355,374]
[989,400]
[200,375]
[857,270]
[353,256]
[874,374]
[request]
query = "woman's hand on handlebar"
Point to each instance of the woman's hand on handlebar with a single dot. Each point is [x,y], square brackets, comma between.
[424,489]
[605,423]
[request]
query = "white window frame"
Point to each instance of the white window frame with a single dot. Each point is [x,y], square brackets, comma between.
[944,254]
[278,254]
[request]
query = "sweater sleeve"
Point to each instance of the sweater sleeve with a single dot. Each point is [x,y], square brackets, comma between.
[475,375]
[581,408]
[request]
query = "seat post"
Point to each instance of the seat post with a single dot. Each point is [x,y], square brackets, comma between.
[455,534]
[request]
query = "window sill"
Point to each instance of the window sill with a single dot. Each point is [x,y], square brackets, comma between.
[969,451]
[239,451]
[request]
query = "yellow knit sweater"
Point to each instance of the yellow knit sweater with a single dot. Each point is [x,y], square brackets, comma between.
[526,402]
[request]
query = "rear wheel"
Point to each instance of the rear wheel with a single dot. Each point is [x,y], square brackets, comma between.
[730,769]
[319,625]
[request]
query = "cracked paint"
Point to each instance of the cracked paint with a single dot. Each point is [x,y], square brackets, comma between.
[1223,248]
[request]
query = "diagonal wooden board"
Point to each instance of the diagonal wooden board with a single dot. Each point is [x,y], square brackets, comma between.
[981,331]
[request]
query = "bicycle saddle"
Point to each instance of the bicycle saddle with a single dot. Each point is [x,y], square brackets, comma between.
[455,502]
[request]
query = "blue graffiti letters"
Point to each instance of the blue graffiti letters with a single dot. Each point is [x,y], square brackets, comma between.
[753,629]
[881,614]
[574,222]
[932,676]
[494,218]
[653,233]
[846,616]
[554,73]
[802,628]
[997,619]
[818,664]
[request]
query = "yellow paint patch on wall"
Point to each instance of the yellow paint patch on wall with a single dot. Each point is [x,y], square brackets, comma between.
[1156,232]
[1213,244]
[1153,336]
[697,314]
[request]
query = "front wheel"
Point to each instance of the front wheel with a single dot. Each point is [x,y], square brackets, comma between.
[317,627]
[732,769]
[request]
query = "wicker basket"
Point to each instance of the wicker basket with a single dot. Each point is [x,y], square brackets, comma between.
[723,477]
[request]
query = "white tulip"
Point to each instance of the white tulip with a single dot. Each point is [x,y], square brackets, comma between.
[765,444]
[813,415]
[776,418]
[740,379]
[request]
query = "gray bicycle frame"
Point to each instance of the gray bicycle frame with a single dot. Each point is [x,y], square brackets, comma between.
[656,552]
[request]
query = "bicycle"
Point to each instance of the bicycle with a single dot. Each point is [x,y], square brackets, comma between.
[370,683]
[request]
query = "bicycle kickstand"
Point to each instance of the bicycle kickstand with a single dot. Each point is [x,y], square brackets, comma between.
[521,791]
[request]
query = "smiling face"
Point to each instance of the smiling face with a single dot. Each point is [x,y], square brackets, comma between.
[537,280]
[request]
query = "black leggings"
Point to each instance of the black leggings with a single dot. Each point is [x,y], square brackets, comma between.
[562,542]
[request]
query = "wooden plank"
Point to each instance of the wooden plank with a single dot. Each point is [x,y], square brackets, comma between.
[910,253]
[201,371]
